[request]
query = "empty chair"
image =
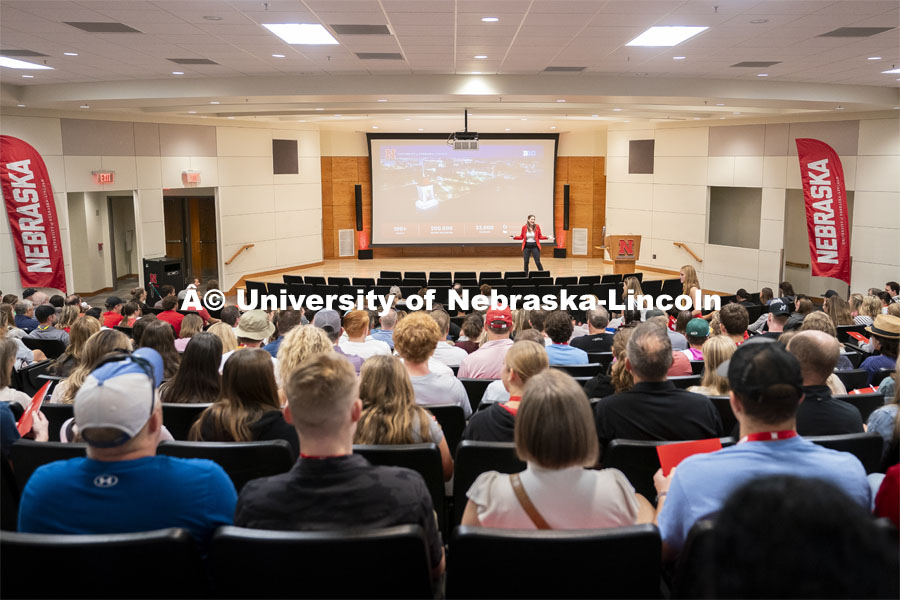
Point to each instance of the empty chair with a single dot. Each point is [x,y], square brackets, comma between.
[424,459]
[415,275]
[56,414]
[475,390]
[864,403]
[391,274]
[452,420]
[652,287]
[541,274]
[638,275]
[672,287]
[577,371]
[621,562]
[52,349]
[168,559]
[856,359]
[844,330]
[582,289]
[440,275]
[28,455]
[275,288]
[242,461]
[178,418]
[387,282]
[255,286]
[853,379]
[126,330]
[754,312]
[490,275]
[866,447]
[613,278]
[473,459]
[314,280]
[685,381]
[292,279]
[375,563]
[515,275]
[726,414]
[338,281]
[566,280]
[522,290]
[365,282]
[464,275]
[697,367]
[30,380]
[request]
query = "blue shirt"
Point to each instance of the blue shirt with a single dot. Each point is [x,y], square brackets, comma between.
[703,482]
[25,323]
[873,364]
[383,336]
[82,495]
[564,354]
[8,431]
[272,347]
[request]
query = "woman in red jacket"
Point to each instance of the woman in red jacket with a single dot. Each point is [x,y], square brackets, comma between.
[531,242]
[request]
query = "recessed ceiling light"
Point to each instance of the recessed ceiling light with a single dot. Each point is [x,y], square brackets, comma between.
[14,63]
[338,115]
[874,58]
[212,18]
[666,36]
[177,72]
[735,113]
[278,56]
[595,116]
[374,126]
[890,72]
[553,127]
[481,56]
[696,118]
[320,109]
[28,76]
[759,21]
[231,117]
[524,119]
[838,107]
[507,129]
[561,100]
[421,129]
[84,106]
[213,101]
[70,54]
[382,99]
[721,118]
[720,104]
[302,33]
[617,110]
[762,74]
[20,105]
[192,112]
[490,19]
[678,57]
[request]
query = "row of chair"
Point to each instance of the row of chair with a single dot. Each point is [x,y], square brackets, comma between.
[454,276]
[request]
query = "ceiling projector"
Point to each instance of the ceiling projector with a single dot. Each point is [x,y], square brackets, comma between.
[464,140]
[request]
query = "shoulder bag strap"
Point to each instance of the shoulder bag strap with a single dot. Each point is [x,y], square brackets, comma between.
[526,504]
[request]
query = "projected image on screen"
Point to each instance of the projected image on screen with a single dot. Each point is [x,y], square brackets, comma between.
[424,192]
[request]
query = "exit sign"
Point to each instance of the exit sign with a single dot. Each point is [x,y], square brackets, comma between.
[190,176]
[103,177]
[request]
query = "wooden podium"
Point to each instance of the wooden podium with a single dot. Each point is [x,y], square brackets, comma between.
[624,251]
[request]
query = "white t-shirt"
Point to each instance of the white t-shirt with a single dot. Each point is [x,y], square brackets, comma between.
[495,392]
[570,498]
[440,388]
[8,394]
[449,354]
[365,349]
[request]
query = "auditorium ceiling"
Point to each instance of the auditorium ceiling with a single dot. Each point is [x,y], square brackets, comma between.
[410,64]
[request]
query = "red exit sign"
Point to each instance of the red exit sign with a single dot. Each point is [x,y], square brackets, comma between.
[102,177]
[190,176]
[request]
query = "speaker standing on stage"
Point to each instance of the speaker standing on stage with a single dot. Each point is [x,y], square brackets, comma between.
[531,242]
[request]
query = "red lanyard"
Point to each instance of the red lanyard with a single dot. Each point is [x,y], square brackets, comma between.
[769,436]
[511,410]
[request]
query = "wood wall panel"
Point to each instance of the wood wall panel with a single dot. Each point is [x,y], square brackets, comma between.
[586,176]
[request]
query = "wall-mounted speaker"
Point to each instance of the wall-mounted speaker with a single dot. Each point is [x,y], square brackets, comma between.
[566,207]
[357,192]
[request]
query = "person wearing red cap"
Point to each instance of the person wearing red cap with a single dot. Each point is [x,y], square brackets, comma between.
[487,361]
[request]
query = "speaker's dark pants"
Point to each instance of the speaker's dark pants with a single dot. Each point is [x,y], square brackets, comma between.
[533,250]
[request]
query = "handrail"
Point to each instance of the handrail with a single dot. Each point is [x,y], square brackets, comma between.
[796,265]
[241,249]
[684,247]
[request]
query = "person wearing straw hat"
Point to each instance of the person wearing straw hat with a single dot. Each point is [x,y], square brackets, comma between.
[885,332]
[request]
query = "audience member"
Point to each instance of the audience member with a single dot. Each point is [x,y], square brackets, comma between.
[25,316]
[197,380]
[385,333]
[170,315]
[743,298]
[887,503]
[10,299]
[329,321]
[137,331]
[619,379]
[496,391]
[8,322]
[893,288]
[67,317]
[885,333]
[415,339]
[100,344]
[8,350]
[390,414]
[113,314]
[329,487]
[446,352]
[230,315]
[804,306]
[139,296]
[487,361]
[734,319]
[819,321]
[160,336]
[225,333]
[786,294]
[838,309]
[886,300]
[248,408]
[131,312]
[94,312]
[536,319]
[820,413]
[300,344]
[472,326]
[716,350]
[165,291]
[654,409]
[191,325]
[553,434]
[597,339]
[286,322]
[46,318]
[56,301]
[684,317]
[883,420]
[868,310]
[79,334]
[252,332]
[356,326]
[678,341]
[28,293]
[696,333]
[779,312]
[765,382]
[495,424]
[558,328]
[765,296]
[122,486]
[690,284]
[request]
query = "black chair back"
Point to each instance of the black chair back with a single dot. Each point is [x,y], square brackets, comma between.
[363,563]
[56,414]
[314,280]
[843,330]
[29,377]
[754,312]
[178,418]
[129,331]
[853,379]
[563,281]
[726,414]
[541,274]
[697,367]
[612,278]
[338,281]
[475,390]
[672,287]
[638,460]
[604,358]
[590,279]
[292,279]
[113,565]
[424,459]
[453,422]
[867,447]
[259,286]
[473,459]
[588,370]
[622,562]
[685,381]
[275,288]
[854,357]
[391,274]
[864,403]
[652,287]
[242,461]
[28,455]
[52,349]
[880,375]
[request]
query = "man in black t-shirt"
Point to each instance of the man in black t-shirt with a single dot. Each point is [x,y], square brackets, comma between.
[329,487]
[819,413]
[654,409]
[597,340]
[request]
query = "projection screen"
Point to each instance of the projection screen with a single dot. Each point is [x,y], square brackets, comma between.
[425,192]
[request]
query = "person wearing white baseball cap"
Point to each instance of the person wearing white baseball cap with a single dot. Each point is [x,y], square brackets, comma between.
[122,486]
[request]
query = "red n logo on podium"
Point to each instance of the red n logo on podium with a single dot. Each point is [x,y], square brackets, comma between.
[626,247]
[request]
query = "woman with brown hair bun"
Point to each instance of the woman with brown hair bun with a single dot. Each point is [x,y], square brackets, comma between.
[248,408]
[390,414]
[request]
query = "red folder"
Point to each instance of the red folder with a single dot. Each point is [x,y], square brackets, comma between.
[27,418]
[858,337]
[670,455]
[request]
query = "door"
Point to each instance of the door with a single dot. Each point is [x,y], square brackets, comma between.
[123,257]
[191,234]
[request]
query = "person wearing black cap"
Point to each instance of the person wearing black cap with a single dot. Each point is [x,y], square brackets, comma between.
[46,317]
[766,389]
[779,313]
[113,314]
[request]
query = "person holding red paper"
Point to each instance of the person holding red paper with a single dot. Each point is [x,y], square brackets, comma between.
[531,242]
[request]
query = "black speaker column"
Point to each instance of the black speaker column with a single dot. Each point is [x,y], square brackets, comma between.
[566,207]
[357,192]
